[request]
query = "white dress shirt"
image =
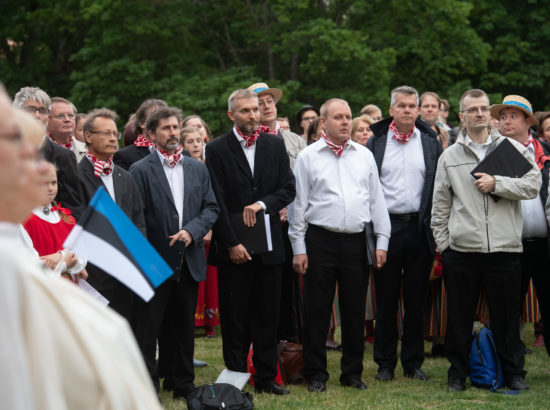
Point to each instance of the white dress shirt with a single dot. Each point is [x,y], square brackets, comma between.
[534,218]
[175,181]
[107,180]
[340,194]
[402,174]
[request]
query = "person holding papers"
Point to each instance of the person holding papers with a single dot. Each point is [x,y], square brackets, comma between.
[250,173]
[179,208]
[477,227]
[97,169]
[337,194]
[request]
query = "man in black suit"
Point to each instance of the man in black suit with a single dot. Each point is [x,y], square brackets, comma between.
[250,172]
[142,146]
[36,102]
[180,208]
[97,169]
[406,153]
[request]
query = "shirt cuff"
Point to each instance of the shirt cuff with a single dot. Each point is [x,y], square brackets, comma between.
[263,205]
[299,247]
[382,242]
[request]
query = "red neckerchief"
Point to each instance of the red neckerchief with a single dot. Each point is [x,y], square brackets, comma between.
[251,139]
[68,145]
[101,167]
[172,158]
[338,149]
[274,131]
[400,137]
[540,157]
[141,141]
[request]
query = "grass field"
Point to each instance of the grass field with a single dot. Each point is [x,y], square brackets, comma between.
[401,393]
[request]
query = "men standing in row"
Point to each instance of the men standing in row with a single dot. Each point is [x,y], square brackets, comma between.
[516,117]
[95,170]
[337,193]
[406,153]
[61,127]
[36,102]
[480,241]
[179,208]
[142,146]
[250,172]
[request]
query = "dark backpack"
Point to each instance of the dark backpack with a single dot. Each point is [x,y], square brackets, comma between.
[219,396]
[485,369]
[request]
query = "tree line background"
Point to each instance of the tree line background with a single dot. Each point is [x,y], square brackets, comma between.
[193,53]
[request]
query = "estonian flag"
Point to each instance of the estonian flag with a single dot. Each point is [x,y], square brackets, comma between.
[107,238]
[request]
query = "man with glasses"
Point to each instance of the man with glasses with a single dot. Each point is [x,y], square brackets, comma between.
[61,127]
[36,102]
[95,170]
[477,226]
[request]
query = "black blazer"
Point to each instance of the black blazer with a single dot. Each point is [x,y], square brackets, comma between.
[200,211]
[126,156]
[432,150]
[68,193]
[235,187]
[126,197]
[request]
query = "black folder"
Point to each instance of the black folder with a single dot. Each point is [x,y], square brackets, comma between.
[371,244]
[256,239]
[505,160]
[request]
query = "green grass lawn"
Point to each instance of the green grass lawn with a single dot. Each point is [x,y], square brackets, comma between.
[399,393]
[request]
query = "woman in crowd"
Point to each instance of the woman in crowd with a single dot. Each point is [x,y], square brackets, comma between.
[79,123]
[543,130]
[360,129]
[314,131]
[197,122]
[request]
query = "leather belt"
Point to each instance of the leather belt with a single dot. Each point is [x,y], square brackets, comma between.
[405,217]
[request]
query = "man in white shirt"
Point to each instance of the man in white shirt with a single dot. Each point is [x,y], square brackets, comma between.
[516,118]
[406,153]
[337,194]
[61,126]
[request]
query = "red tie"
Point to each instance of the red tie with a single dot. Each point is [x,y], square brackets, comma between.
[400,137]
[141,141]
[338,149]
[68,145]
[171,158]
[251,139]
[101,167]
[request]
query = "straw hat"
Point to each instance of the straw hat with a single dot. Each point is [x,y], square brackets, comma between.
[263,88]
[514,101]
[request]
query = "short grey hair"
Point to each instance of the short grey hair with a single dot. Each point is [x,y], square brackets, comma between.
[64,101]
[324,108]
[98,113]
[403,89]
[32,93]
[239,94]
[474,93]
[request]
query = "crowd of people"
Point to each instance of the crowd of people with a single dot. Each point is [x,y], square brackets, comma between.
[446,241]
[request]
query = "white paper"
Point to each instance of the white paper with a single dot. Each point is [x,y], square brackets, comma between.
[90,290]
[236,379]
[268,232]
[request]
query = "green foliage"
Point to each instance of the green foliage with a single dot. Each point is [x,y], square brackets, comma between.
[193,53]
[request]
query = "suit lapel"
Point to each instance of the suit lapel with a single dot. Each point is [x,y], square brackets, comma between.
[259,157]
[89,174]
[160,176]
[118,185]
[187,178]
[238,154]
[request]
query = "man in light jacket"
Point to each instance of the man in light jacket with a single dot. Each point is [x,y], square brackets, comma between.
[477,227]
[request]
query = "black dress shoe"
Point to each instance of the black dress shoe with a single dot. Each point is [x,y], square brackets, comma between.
[168,385]
[316,386]
[183,393]
[517,383]
[384,374]
[456,384]
[272,388]
[354,382]
[417,374]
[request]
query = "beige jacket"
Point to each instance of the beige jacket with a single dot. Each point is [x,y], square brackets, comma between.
[293,144]
[466,220]
[79,149]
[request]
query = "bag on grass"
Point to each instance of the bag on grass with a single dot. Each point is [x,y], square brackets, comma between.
[485,368]
[219,396]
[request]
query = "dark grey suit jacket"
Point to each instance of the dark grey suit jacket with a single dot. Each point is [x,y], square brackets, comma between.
[200,211]
[126,197]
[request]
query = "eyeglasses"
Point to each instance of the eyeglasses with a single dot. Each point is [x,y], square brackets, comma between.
[475,110]
[62,116]
[115,134]
[30,109]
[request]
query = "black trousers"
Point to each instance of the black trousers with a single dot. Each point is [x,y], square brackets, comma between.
[288,318]
[535,264]
[498,274]
[172,308]
[407,268]
[249,298]
[334,257]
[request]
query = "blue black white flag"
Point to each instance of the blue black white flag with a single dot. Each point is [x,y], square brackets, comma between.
[108,239]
